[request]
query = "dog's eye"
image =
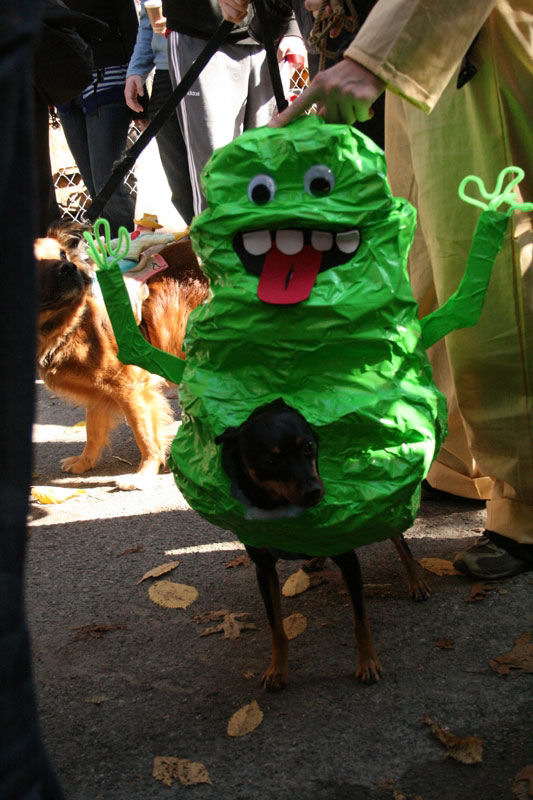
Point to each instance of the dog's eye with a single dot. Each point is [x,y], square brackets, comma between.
[308,447]
[319,180]
[261,189]
[63,255]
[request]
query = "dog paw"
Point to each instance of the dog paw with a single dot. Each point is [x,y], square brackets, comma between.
[274,680]
[137,481]
[368,672]
[76,464]
[419,591]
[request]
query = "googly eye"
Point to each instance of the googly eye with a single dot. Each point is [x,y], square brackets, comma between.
[261,189]
[319,180]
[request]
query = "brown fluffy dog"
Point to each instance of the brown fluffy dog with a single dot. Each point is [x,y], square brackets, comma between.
[77,351]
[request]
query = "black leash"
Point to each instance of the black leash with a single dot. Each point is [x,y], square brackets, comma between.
[122,167]
[271,54]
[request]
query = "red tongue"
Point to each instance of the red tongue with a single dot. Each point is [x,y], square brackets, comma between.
[288,279]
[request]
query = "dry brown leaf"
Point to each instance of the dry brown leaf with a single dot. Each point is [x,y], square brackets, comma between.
[239,561]
[249,674]
[245,720]
[296,583]
[96,699]
[189,773]
[523,783]
[439,566]
[138,548]
[96,631]
[294,625]
[480,589]
[444,643]
[162,569]
[172,595]
[466,749]
[230,626]
[520,658]
[47,495]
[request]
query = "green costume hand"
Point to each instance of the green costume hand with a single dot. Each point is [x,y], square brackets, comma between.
[132,346]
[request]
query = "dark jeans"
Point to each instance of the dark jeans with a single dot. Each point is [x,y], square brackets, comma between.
[172,148]
[25,773]
[96,141]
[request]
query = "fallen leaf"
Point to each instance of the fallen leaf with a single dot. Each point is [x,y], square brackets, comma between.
[96,699]
[439,566]
[294,625]
[161,570]
[466,749]
[96,631]
[480,590]
[523,783]
[230,626]
[520,658]
[239,561]
[81,424]
[189,773]
[245,720]
[444,643]
[138,548]
[172,595]
[296,583]
[249,674]
[47,495]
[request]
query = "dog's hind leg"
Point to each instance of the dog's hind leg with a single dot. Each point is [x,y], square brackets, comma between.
[368,667]
[99,421]
[277,673]
[418,588]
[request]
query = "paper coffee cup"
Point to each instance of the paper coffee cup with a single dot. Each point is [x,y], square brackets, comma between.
[154,11]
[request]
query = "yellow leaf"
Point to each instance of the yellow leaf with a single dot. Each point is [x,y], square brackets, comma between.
[189,773]
[53,494]
[80,424]
[296,583]
[439,566]
[520,658]
[172,595]
[245,720]
[157,571]
[294,625]
[466,749]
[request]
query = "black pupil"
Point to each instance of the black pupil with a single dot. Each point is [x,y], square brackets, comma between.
[261,193]
[319,186]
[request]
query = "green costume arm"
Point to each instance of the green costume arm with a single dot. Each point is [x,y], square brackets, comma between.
[132,346]
[464,307]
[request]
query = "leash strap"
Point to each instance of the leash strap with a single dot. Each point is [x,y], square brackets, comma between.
[127,161]
[271,54]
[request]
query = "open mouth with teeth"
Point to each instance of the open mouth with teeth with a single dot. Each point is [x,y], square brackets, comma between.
[288,261]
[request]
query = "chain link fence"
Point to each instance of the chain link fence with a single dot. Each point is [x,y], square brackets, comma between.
[71,193]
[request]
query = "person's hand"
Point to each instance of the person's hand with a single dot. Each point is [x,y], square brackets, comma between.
[134,86]
[292,46]
[159,26]
[234,10]
[344,92]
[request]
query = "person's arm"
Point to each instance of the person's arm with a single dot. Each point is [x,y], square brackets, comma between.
[141,62]
[410,47]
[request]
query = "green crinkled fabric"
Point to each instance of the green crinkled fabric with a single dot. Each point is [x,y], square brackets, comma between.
[349,357]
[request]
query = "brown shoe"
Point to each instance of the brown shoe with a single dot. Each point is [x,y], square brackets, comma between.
[489,562]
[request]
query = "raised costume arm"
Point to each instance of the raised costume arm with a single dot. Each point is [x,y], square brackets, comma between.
[463,308]
[132,346]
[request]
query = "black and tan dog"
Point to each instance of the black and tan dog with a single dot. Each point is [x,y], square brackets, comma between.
[77,351]
[272,460]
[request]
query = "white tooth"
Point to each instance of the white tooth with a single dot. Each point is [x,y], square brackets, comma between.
[348,241]
[321,240]
[257,242]
[289,242]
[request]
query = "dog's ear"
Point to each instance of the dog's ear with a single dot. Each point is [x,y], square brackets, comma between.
[229,435]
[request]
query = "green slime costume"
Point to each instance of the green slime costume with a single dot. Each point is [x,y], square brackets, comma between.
[306,253]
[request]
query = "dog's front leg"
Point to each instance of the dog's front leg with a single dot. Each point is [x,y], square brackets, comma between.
[277,673]
[97,426]
[368,667]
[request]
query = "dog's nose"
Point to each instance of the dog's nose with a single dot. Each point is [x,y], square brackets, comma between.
[313,496]
[68,268]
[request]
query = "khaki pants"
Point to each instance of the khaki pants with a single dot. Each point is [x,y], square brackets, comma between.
[486,372]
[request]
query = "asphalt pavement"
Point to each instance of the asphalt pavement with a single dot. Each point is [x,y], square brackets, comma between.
[122,680]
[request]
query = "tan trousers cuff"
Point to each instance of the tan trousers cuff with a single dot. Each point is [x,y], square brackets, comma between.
[510,518]
[449,480]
